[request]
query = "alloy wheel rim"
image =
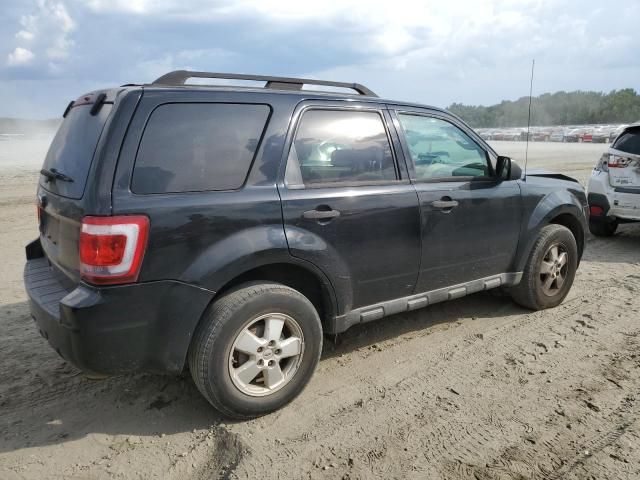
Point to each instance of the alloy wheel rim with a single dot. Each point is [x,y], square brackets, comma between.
[553,269]
[266,354]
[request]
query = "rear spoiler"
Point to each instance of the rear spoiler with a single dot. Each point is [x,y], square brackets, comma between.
[96,100]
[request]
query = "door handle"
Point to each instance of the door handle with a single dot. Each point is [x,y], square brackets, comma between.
[444,204]
[321,214]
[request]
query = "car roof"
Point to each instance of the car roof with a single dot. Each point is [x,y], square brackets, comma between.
[272,85]
[302,94]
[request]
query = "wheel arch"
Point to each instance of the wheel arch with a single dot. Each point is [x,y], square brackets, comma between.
[571,222]
[556,208]
[303,278]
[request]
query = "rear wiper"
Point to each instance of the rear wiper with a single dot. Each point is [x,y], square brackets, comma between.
[53,174]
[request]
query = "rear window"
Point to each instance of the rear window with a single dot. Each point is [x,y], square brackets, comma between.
[629,141]
[191,147]
[72,149]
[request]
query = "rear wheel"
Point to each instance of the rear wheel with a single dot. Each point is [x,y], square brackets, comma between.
[603,228]
[550,269]
[256,349]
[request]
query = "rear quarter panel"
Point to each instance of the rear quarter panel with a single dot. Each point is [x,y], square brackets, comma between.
[207,238]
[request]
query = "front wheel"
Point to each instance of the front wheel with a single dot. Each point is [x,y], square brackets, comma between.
[255,349]
[550,269]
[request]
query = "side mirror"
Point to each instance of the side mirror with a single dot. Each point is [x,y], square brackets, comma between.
[507,169]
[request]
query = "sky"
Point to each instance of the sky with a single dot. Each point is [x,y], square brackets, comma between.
[433,52]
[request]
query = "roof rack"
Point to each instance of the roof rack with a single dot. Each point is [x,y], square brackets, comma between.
[179,77]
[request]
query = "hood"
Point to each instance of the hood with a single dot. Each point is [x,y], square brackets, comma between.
[549,174]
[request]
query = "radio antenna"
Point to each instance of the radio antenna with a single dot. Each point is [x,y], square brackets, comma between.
[526,151]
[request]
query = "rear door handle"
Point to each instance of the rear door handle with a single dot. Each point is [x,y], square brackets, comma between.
[444,204]
[321,214]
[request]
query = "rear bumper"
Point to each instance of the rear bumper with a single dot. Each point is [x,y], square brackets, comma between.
[625,203]
[618,203]
[118,329]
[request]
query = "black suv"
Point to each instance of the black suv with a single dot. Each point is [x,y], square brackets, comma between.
[227,228]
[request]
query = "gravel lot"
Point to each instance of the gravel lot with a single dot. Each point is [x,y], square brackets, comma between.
[477,388]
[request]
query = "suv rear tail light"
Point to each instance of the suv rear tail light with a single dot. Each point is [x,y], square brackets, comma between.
[112,248]
[596,211]
[616,161]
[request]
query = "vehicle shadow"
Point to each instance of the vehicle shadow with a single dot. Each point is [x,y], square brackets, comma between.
[474,307]
[45,401]
[623,247]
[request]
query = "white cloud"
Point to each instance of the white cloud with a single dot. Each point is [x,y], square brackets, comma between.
[47,32]
[20,56]
[376,27]
[472,51]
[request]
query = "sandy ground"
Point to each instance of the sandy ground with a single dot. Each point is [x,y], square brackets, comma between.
[476,388]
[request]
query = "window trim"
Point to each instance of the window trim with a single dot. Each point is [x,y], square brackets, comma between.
[407,153]
[195,192]
[363,183]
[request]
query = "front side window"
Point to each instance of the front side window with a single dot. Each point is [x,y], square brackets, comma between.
[193,147]
[441,150]
[340,146]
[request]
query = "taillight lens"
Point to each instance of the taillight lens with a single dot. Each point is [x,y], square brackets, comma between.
[596,211]
[616,161]
[112,248]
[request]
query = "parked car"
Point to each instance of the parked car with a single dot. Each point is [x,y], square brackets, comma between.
[540,135]
[484,133]
[575,135]
[514,135]
[228,228]
[616,131]
[614,185]
[557,135]
[498,135]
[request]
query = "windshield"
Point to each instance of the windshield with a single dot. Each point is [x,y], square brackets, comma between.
[72,150]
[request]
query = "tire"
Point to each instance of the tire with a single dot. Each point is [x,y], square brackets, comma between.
[218,346]
[603,228]
[531,292]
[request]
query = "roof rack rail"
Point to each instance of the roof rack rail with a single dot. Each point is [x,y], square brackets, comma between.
[179,77]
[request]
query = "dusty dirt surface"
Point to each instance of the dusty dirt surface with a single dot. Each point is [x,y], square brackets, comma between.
[477,388]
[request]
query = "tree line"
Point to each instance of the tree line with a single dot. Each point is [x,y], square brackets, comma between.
[559,108]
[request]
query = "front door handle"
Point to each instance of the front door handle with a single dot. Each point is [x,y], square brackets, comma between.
[444,204]
[321,214]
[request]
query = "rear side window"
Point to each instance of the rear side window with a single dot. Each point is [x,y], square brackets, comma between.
[191,147]
[340,146]
[629,141]
[72,149]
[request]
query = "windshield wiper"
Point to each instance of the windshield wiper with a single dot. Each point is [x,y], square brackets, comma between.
[53,174]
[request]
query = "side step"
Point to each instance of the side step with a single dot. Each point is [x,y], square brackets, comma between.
[413,302]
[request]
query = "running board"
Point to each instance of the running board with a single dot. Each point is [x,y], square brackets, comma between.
[413,302]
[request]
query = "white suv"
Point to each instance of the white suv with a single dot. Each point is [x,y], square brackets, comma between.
[614,185]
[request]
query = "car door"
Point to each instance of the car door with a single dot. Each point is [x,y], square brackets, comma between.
[470,220]
[348,206]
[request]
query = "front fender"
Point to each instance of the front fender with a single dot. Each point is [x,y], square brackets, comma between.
[549,207]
